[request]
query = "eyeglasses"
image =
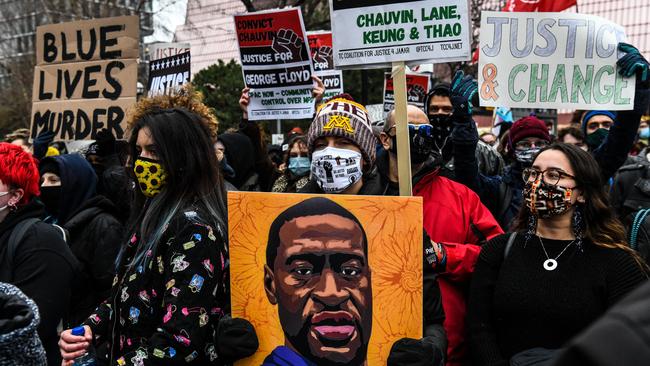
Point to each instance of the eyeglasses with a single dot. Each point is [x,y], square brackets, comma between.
[549,176]
[525,145]
[424,130]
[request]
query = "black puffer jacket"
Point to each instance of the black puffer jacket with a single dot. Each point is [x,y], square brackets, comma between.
[95,236]
[43,268]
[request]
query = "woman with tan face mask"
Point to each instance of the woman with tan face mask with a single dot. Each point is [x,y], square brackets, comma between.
[564,265]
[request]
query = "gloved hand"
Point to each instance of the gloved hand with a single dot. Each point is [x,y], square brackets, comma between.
[463,89]
[415,352]
[236,339]
[435,255]
[632,63]
[42,142]
[105,143]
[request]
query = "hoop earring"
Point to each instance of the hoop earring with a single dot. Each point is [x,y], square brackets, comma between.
[12,207]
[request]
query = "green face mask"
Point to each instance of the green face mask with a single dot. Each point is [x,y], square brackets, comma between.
[596,138]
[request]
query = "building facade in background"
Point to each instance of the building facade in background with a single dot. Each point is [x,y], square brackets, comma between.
[19,19]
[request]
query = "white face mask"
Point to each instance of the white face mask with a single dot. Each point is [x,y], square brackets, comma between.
[336,169]
[7,205]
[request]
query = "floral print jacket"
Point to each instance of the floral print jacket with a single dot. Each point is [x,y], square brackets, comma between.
[166,308]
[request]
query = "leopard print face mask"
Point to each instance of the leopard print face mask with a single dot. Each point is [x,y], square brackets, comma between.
[151,176]
[545,200]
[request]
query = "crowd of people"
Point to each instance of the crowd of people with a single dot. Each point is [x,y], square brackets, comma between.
[535,244]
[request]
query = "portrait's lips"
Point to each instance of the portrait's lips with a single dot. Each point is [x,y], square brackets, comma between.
[334,325]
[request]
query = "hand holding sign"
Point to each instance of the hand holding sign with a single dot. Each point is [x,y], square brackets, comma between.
[319,89]
[632,63]
[463,89]
[288,46]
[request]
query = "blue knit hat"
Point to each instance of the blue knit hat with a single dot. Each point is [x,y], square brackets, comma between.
[590,114]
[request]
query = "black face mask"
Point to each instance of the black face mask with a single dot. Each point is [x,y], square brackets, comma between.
[421,147]
[442,127]
[51,196]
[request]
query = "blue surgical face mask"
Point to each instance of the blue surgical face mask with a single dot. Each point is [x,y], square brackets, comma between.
[299,166]
[644,133]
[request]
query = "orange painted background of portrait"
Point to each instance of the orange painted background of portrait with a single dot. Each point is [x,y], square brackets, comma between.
[394,229]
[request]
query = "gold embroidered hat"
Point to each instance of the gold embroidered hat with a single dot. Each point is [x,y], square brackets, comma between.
[344,117]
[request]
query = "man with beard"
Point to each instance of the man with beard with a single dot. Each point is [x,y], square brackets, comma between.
[317,273]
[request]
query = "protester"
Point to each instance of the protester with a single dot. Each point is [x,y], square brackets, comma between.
[93,232]
[489,138]
[238,162]
[176,259]
[108,163]
[34,256]
[438,107]
[19,318]
[19,137]
[298,166]
[533,289]
[455,231]
[574,136]
[343,162]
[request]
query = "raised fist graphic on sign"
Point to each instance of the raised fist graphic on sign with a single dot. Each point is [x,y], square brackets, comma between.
[287,46]
[416,93]
[323,57]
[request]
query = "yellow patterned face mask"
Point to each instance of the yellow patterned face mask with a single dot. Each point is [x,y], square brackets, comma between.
[151,176]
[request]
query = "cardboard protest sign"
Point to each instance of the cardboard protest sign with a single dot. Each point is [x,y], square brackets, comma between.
[163,50]
[374,33]
[168,74]
[551,60]
[276,64]
[320,46]
[417,88]
[281,257]
[85,77]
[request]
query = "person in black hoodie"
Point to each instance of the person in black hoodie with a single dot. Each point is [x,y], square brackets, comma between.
[41,265]
[94,233]
[238,153]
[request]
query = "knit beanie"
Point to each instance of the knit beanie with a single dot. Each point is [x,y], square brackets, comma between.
[528,127]
[343,117]
[19,318]
[590,114]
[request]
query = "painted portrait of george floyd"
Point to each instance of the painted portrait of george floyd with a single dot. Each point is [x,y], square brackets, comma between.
[326,279]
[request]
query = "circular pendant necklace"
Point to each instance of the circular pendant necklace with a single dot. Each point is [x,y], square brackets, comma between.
[550,264]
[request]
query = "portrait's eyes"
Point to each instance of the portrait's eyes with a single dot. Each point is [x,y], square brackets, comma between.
[303,270]
[350,271]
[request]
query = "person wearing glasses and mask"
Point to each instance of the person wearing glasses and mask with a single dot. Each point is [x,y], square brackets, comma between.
[298,165]
[563,265]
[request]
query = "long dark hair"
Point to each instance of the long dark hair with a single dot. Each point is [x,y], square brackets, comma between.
[186,152]
[600,224]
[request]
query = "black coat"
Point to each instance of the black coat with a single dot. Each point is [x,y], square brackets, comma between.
[43,268]
[95,238]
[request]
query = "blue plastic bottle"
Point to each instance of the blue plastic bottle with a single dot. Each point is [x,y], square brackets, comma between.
[88,359]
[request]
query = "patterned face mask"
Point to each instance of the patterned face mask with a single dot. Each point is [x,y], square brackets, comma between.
[151,176]
[545,200]
[526,156]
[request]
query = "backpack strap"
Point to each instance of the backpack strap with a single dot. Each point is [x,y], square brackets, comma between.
[17,235]
[511,240]
[639,218]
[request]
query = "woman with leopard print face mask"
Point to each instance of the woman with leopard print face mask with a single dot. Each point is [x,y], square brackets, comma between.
[563,266]
[172,284]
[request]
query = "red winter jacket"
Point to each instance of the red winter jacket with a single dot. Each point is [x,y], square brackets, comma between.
[454,216]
